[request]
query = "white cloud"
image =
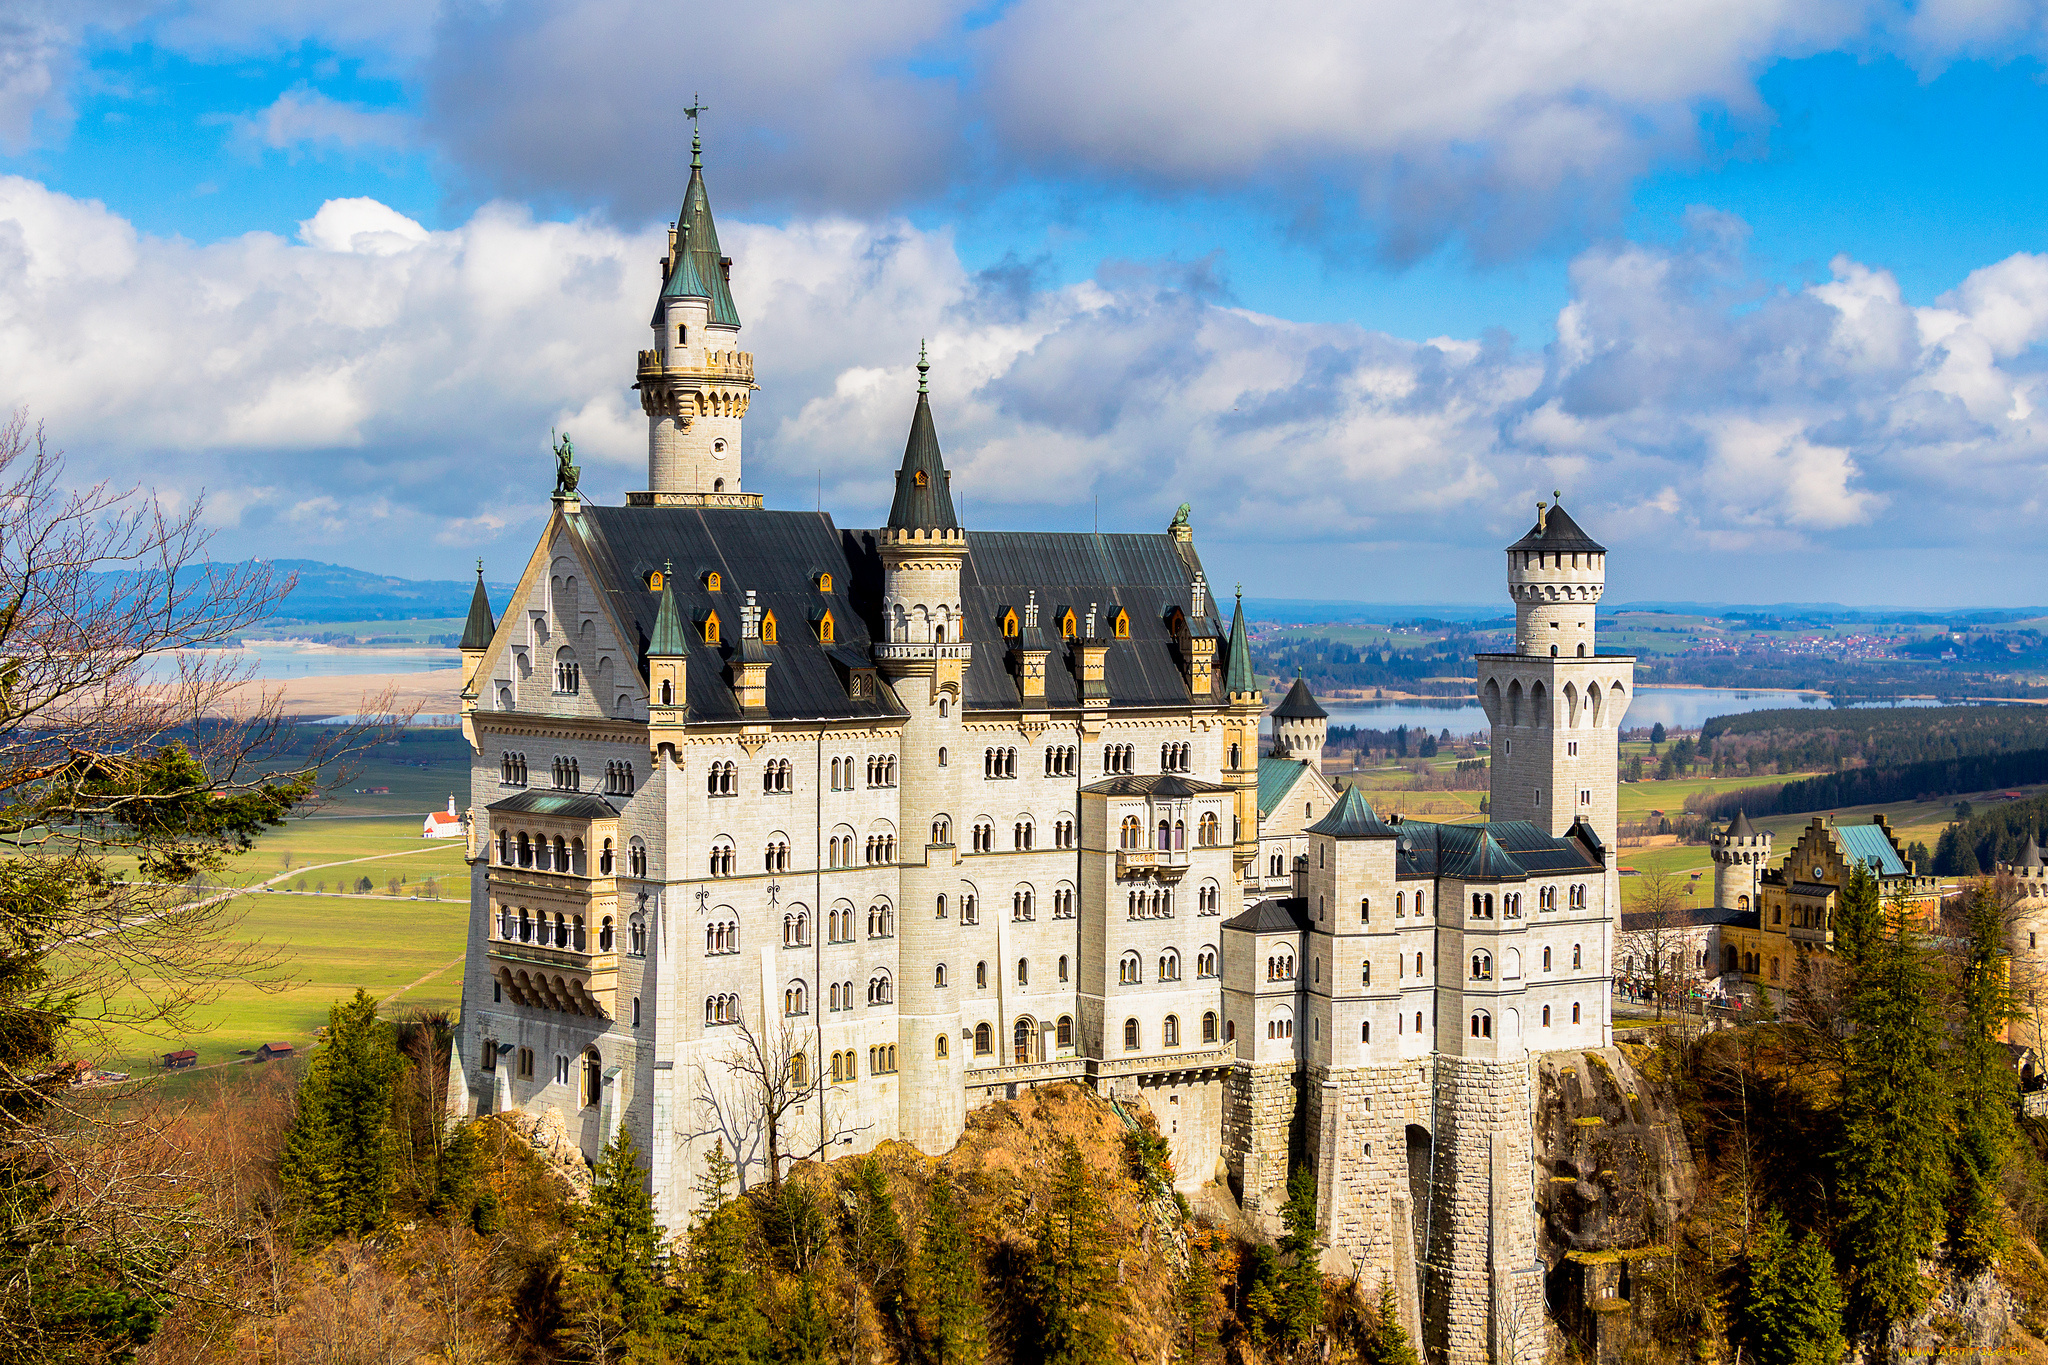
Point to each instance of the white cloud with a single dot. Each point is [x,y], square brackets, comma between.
[380,388]
[305,118]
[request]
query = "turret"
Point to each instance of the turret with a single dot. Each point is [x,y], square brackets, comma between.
[1300,727]
[1244,705]
[1741,852]
[1555,575]
[668,659]
[475,643]
[923,544]
[695,383]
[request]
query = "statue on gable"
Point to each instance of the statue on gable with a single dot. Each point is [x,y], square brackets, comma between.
[566,470]
[1180,518]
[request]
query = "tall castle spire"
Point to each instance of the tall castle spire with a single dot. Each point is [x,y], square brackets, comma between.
[695,384]
[924,494]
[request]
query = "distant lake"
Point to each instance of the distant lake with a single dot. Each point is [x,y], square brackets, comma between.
[1679,708]
[277,661]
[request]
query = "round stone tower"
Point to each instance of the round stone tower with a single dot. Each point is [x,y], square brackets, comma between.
[1741,852]
[1300,727]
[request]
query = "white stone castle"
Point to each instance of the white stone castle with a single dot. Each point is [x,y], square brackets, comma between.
[914,817]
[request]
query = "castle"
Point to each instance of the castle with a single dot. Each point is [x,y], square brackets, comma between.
[796,839]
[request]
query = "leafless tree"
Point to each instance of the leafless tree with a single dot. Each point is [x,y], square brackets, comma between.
[1657,939]
[762,1085]
[134,759]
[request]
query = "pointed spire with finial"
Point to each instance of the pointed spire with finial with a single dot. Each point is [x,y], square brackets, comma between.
[668,640]
[478,630]
[1238,675]
[924,496]
[697,269]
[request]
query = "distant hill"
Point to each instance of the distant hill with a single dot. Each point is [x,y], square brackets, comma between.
[331,592]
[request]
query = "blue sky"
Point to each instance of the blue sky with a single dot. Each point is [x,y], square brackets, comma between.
[1755,282]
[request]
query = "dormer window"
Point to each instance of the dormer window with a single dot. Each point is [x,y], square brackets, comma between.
[1010,628]
[768,631]
[654,581]
[827,631]
[712,580]
[920,478]
[709,626]
[824,582]
[1121,625]
[1067,625]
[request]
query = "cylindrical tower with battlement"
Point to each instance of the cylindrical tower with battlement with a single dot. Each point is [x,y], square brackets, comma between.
[1741,853]
[1300,727]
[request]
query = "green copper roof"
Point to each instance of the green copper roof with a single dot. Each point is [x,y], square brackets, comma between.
[924,501]
[669,639]
[480,628]
[697,271]
[1277,777]
[1868,845]
[1238,675]
[1353,818]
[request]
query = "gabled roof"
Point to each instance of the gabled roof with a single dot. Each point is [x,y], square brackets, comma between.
[1488,862]
[1868,845]
[1274,915]
[478,630]
[569,805]
[1353,818]
[1299,705]
[1277,777]
[1556,532]
[1152,784]
[924,498]
[1237,673]
[772,553]
[697,271]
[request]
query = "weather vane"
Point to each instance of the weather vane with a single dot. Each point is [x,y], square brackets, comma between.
[697,106]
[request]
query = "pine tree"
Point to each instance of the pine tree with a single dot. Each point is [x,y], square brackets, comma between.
[1788,1304]
[1892,1164]
[1983,1090]
[1301,1272]
[873,1236]
[720,1321]
[950,1315]
[1069,1283]
[616,1259]
[337,1163]
[805,1334]
[1385,1341]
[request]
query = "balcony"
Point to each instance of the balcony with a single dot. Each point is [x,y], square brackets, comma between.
[558,979]
[913,651]
[1170,864]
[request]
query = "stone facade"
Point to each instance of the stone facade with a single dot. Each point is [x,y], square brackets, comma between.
[929,815]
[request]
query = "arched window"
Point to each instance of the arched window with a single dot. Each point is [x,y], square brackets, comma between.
[981,976]
[940,1048]
[1209,1026]
[942,830]
[939,976]
[795,999]
[1365,910]
[1482,1024]
[1546,1016]
[1280,1025]
[881,989]
[1130,1035]
[1482,966]
[1169,965]
[1575,1011]
[1206,829]
[568,678]
[1130,970]
[1023,971]
[984,1040]
[1205,962]
[1169,1031]
[1576,958]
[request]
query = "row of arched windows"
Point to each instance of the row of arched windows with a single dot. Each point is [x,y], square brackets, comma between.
[881,770]
[1175,758]
[559,931]
[512,769]
[775,776]
[1117,758]
[1061,760]
[999,763]
[566,776]
[722,779]
[1152,903]
[1280,965]
[881,848]
[618,778]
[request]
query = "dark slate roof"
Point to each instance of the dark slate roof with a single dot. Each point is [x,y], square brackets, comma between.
[1300,704]
[478,630]
[1154,784]
[775,554]
[1353,818]
[2031,857]
[1432,850]
[1558,533]
[1237,668]
[1489,862]
[1143,574]
[1739,827]
[1684,917]
[697,270]
[926,505]
[1277,777]
[1274,915]
[572,805]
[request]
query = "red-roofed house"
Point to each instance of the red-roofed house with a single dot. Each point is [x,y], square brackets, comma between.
[443,824]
